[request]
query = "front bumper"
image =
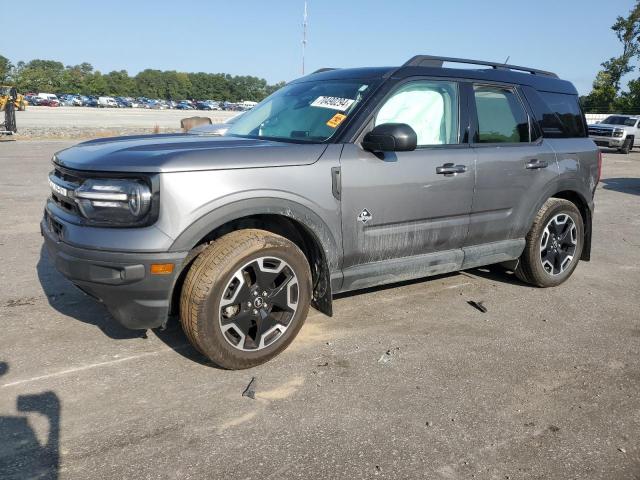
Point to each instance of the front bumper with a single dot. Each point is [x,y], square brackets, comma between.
[122,281]
[609,142]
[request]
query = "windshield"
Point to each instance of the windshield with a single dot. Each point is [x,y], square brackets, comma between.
[626,121]
[302,112]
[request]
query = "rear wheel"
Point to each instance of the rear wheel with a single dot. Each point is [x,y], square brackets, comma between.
[553,245]
[245,298]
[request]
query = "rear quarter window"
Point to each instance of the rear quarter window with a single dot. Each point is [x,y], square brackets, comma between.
[558,114]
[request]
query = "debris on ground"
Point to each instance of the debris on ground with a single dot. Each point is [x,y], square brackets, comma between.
[478,305]
[554,429]
[250,391]
[388,355]
[144,334]
[621,449]
[429,424]
[325,364]
[20,302]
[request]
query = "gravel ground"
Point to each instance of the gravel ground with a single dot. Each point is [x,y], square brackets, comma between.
[406,381]
[86,122]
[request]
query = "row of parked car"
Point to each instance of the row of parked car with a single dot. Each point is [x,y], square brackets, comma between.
[69,100]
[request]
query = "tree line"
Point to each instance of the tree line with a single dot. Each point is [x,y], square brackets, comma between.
[607,94]
[53,77]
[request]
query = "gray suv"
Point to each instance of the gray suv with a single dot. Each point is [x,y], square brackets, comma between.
[342,180]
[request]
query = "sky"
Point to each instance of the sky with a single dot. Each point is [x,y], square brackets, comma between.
[264,38]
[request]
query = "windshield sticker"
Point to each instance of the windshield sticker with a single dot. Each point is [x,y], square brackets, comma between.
[334,103]
[336,120]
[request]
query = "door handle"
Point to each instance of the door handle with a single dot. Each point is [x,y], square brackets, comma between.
[450,169]
[536,164]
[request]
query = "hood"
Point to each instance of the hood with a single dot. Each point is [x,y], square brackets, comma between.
[605,126]
[183,152]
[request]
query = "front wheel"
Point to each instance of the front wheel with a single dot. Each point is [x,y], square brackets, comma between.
[245,298]
[626,146]
[553,245]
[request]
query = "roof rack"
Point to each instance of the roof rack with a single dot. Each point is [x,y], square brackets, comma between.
[437,62]
[326,69]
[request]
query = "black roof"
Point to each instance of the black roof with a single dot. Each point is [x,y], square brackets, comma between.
[431,66]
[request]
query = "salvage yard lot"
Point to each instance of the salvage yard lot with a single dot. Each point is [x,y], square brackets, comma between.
[85,121]
[407,381]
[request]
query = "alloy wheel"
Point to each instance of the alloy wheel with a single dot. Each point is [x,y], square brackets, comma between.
[258,303]
[558,244]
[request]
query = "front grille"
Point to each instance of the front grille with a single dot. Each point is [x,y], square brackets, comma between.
[600,132]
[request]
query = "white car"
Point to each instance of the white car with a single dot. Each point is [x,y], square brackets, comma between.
[107,102]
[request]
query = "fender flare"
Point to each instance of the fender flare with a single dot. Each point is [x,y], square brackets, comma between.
[588,213]
[302,214]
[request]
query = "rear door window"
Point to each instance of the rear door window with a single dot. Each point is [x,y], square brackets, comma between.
[501,116]
[558,114]
[567,108]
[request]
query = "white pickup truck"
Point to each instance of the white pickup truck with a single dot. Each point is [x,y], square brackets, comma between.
[616,131]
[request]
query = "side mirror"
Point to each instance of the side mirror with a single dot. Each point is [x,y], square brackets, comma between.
[390,137]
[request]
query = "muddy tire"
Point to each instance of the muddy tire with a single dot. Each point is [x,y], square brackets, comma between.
[245,298]
[553,245]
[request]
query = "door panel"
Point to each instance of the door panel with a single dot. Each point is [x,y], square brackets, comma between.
[412,209]
[512,171]
[506,184]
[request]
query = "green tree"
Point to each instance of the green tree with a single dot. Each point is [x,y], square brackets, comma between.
[5,70]
[40,76]
[119,83]
[604,95]
[96,84]
[75,78]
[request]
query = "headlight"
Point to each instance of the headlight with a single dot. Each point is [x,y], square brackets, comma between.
[618,132]
[120,202]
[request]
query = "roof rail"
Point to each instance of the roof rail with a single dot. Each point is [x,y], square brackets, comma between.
[437,62]
[326,69]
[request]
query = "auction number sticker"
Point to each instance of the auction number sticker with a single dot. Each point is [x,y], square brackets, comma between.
[334,103]
[336,120]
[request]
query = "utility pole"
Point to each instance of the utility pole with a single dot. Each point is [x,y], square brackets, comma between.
[304,34]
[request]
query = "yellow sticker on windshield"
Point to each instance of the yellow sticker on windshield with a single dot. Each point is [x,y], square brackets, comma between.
[336,120]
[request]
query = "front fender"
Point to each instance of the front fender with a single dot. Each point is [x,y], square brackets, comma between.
[199,229]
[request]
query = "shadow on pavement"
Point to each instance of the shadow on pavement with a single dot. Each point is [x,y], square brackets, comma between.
[623,185]
[64,297]
[22,455]
[498,273]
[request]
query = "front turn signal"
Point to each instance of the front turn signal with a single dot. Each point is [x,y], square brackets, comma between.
[161,268]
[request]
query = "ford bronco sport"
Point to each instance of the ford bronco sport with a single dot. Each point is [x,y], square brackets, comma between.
[341,180]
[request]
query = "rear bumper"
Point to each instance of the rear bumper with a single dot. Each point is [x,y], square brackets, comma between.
[122,281]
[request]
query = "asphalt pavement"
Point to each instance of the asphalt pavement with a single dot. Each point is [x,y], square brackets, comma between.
[405,381]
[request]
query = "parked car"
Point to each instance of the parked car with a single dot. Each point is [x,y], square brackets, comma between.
[47,100]
[107,102]
[617,131]
[341,180]
[184,106]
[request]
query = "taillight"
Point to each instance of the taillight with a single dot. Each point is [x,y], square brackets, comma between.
[599,166]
